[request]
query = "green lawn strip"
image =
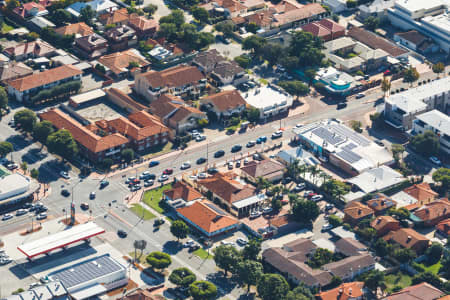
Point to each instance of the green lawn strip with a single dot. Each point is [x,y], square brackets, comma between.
[6,28]
[397,279]
[141,212]
[139,257]
[203,254]
[153,197]
[432,268]
[264,81]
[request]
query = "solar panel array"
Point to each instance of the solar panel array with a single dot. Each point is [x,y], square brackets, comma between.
[349,156]
[87,271]
[349,147]
[216,209]
[347,132]
[327,135]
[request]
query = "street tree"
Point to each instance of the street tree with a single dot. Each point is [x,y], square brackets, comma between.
[426,143]
[295,88]
[410,75]
[62,143]
[252,249]
[106,164]
[176,17]
[87,14]
[225,27]
[139,245]
[272,53]
[442,175]
[372,23]
[179,229]
[158,260]
[3,98]
[34,173]
[438,68]
[272,286]
[5,148]
[203,290]
[182,277]
[244,61]
[307,48]
[397,151]
[252,27]
[254,43]
[335,188]
[335,221]
[305,211]
[200,14]
[168,31]
[289,62]
[374,279]
[310,73]
[381,247]
[301,292]
[385,86]
[42,130]
[249,272]
[427,277]
[150,9]
[127,154]
[24,166]
[26,118]
[226,257]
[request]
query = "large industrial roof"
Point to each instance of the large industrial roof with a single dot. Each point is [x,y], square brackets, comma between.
[60,239]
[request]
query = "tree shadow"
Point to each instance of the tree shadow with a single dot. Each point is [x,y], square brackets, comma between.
[226,285]
[249,296]
[172,247]
[33,155]
[18,141]
[49,170]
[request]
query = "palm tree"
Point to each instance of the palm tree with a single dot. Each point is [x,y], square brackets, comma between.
[262,183]
[314,171]
[325,177]
[302,169]
[293,169]
[385,86]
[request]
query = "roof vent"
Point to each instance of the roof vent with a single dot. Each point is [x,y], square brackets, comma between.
[378,220]
[350,291]
[359,211]
[408,239]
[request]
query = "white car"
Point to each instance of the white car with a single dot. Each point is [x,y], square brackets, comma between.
[144,175]
[148,183]
[200,138]
[7,217]
[267,210]
[277,134]
[255,214]
[185,165]
[41,216]
[298,125]
[326,227]
[225,243]
[64,175]
[435,160]
[163,178]
[21,211]
[359,96]
[241,241]
[201,175]
[188,244]
[316,198]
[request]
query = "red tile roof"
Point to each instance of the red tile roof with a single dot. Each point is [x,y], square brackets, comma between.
[117,16]
[375,42]
[422,192]
[348,290]
[421,291]
[407,237]
[357,210]
[444,226]
[381,202]
[80,29]
[37,48]
[316,29]
[434,210]
[225,186]
[142,23]
[173,77]
[181,190]
[82,135]
[146,126]
[207,216]
[118,62]
[26,7]
[226,100]
[267,168]
[380,222]
[43,78]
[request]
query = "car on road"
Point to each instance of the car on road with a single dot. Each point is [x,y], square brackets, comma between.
[341,105]
[163,178]
[135,188]
[5,260]
[149,182]
[201,175]
[212,171]
[261,139]
[21,212]
[277,134]
[236,148]
[104,183]
[241,241]
[122,233]
[131,180]
[188,244]
[255,214]
[185,165]
[257,156]
[360,95]
[329,206]
[84,206]
[7,217]
[168,171]
[201,160]
[219,153]
[65,193]
[246,161]
[64,175]
[153,163]
[435,160]
[238,164]
[92,195]
[326,227]
[144,175]
[316,198]
[200,138]
[286,180]
[41,216]
[40,209]
[12,166]
[226,243]
[299,187]
[194,247]
[298,125]
[308,193]
[159,222]
[250,144]
[379,143]
[267,210]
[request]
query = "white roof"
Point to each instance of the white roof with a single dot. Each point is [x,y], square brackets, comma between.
[377,179]
[267,98]
[60,239]
[43,292]
[91,291]
[416,5]
[12,183]
[377,6]
[403,199]
[249,201]
[440,21]
[42,22]
[94,94]
[437,120]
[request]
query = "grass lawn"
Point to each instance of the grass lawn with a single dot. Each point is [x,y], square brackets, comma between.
[6,28]
[203,254]
[153,197]
[158,150]
[141,212]
[263,81]
[432,268]
[397,279]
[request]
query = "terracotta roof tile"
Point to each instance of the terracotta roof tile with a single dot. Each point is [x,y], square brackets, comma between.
[142,23]
[117,16]
[146,127]
[407,237]
[306,11]
[173,77]
[375,42]
[421,291]
[78,29]
[316,29]
[225,186]
[207,216]
[24,9]
[37,48]
[422,192]
[444,226]
[381,202]
[181,190]
[380,222]
[266,168]
[348,290]
[357,210]
[46,77]
[13,70]
[118,62]
[172,107]
[225,100]
[434,210]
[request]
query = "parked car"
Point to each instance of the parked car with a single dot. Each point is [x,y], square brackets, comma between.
[360,95]
[316,198]
[236,148]
[168,171]
[104,183]
[261,139]
[435,160]
[250,144]
[7,217]
[277,134]
[379,143]
[84,206]
[201,160]
[341,105]
[219,153]
[255,214]
[329,206]
[41,216]
[246,161]
[163,178]
[287,180]
[257,156]
[299,187]
[185,165]
[230,166]
[65,193]
[200,138]
[308,193]
[267,210]
[159,222]
[21,212]
[122,233]
[298,125]
[238,164]
[149,182]
[212,171]
[153,163]
[326,227]
[64,175]
[241,241]
[92,195]
[201,175]
[12,166]
[188,244]
[194,247]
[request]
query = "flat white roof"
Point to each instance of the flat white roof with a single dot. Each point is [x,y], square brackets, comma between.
[440,21]
[98,93]
[415,5]
[60,239]
[91,291]
[249,201]
[403,199]
[267,97]
[377,179]
[11,185]
[437,120]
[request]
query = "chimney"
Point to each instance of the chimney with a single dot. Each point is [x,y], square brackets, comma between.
[359,211]
[350,291]
[408,239]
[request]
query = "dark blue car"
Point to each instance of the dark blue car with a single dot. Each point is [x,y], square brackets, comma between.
[153,163]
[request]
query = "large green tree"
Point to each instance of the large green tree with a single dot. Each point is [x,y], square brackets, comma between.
[182,277]
[301,292]
[307,48]
[374,279]
[253,43]
[87,14]
[272,286]
[226,257]
[295,88]
[252,249]
[372,23]
[226,27]
[438,68]
[42,130]
[410,75]
[26,118]
[335,188]
[428,277]
[203,290]
[5,148]
[158,260]
[3,98]
[249,272]
[127,154]
[426,143]
[434,252]
[200,14]
[179,229]
[272,53]
[305,211]
[62,143]
[442,175]
[404,255]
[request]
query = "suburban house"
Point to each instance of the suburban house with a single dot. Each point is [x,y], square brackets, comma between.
[27,50]
[207,218]
[117,17]
[23,88]
[416,41]
[224,104]
[10,70]
[432,213]
[121,37]
[237,197]
[380,204]
[180,81]
[351,267]
[268,169]
[29,10]
[94,147]
[325,29]
[384,225]
[377,180]
[180,194]
[91,46]
[377,9]
[98,6]
[408,238]
[346,291]
[421,291]
[443,228]
[145,28]
[422,192]
[118,64]
[437,122]
[175,113]
[77,29]
[355,212]
[144,130]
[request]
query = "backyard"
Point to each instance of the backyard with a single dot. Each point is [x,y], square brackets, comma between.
[434,268]
[153,197]
[398,279]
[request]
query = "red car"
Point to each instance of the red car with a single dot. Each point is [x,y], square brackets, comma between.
[168,171]
[387,72]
